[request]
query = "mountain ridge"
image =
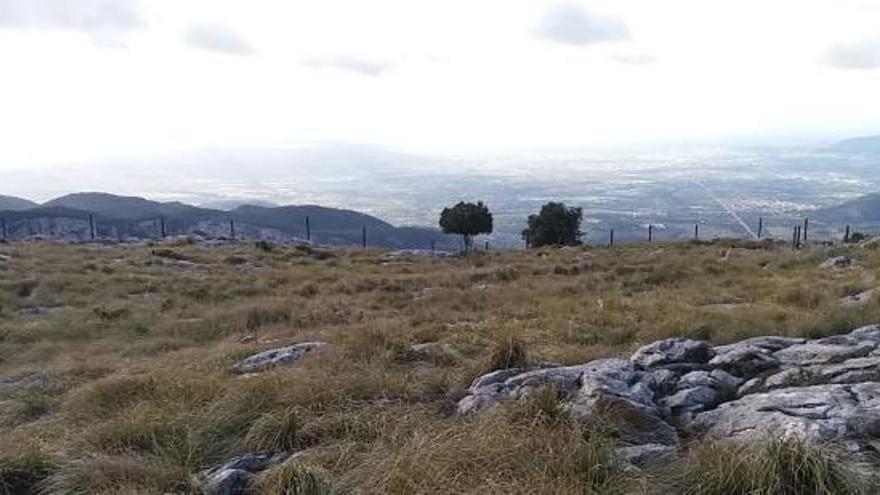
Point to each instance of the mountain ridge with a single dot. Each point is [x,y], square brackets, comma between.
[124,217]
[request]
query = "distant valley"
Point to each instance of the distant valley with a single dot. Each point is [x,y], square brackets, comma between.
[726,190]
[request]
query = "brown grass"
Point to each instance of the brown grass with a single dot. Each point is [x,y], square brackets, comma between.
[136,348]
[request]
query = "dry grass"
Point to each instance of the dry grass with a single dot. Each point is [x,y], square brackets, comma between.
[134,346]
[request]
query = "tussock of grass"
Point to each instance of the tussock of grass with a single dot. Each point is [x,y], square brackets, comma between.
[295,478]
[23,468]
[779,467]
[508,352]
[274,431]
[124,474]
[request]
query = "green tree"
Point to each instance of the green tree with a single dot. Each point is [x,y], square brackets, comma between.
[466,220]
[555,225]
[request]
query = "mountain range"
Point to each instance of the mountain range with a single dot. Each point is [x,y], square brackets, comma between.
[127,217]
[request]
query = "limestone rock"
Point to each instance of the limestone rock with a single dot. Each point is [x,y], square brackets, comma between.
[822,353]
[769,343]
[233,476]
[284,356]
[744,360]
[644,455]
[836,263]
[673,351]
[815,413]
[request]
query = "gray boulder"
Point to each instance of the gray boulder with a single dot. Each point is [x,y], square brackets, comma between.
[769,343]
[227,482]
[284,356]
[644,455]
[233,476]
[744,360]
[688,401]
[836,263]
[856,370]
[822,353]
[674,351]
[816,413]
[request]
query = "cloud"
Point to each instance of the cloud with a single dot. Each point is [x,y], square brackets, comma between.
[572,24]
[863,54]
[635,58]
[349,63]
[217,38]
[80,15]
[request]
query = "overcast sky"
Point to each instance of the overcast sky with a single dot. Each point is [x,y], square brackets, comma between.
[85,79]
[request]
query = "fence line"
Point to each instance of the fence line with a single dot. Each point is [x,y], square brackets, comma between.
[800,232]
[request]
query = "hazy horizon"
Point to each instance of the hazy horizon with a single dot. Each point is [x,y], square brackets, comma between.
[86,81]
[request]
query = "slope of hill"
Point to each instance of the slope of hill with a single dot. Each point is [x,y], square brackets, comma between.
[11,203]
[863,209]
[135,369]
[126,217]
[864,144]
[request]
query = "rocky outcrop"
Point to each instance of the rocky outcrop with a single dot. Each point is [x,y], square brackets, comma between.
[836,263]
[233,476]
[284,356]
[817,390]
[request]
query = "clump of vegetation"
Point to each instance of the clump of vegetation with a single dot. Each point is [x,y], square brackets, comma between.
[274,431]
[467,220]
[170,254]
[295,478]
[24,469]
[778,467]
[555,225]
[508,352]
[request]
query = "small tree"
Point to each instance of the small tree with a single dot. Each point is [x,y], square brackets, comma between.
[555,225]
[467,220]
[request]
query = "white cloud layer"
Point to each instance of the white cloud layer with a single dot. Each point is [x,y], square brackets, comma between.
[82,15]
[863,54]
[217,38]
[349,63]
[444,75]
[573,24]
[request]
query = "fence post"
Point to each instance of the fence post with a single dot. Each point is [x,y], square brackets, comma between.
[846,236]
[760,227]
[92,226]
[806,226]
[487,246]
[696,232]
[232,229]
[162,227]
[611,239]
[364,236]
[650,233]
[308,229]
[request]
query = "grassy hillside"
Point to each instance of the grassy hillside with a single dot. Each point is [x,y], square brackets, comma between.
[115,362]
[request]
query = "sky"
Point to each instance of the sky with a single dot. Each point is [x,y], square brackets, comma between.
[84,80]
